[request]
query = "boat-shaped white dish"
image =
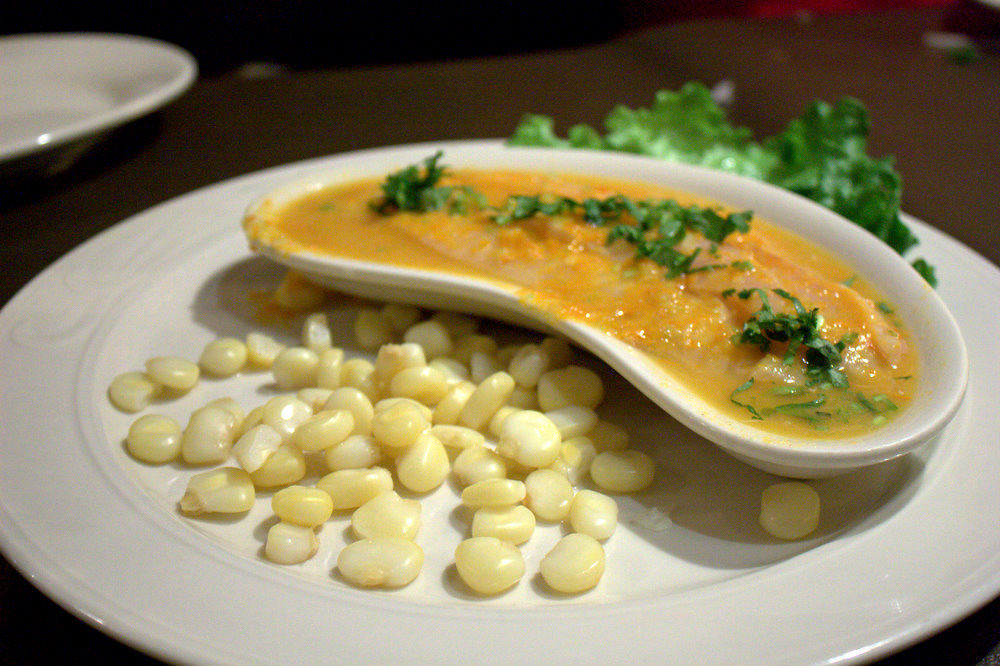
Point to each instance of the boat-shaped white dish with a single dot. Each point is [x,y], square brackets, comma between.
[944,362]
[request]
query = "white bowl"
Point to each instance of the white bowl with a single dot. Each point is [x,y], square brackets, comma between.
[944,362]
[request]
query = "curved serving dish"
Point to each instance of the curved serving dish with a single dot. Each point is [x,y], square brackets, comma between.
[937,336]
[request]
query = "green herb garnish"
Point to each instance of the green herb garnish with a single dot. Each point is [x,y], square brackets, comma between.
[822,154]
[415,188]
[653,227]
[745,386]
[798,331]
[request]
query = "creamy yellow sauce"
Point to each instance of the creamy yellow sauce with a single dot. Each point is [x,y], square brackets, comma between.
[565,267]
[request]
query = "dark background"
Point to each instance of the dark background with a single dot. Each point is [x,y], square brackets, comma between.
[222,34]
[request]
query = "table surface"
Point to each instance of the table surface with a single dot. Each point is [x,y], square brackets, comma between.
[938,117]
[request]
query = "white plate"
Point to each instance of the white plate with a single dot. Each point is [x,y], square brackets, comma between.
[904,548]
[61,88]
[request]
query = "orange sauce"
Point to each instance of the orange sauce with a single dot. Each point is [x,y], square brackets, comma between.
[565,266]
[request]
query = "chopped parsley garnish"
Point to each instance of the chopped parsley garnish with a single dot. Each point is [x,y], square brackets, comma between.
[798,331]
[416,189]
[654,227]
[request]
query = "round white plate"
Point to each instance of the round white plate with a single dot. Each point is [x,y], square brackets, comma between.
[903,549]
[61,88]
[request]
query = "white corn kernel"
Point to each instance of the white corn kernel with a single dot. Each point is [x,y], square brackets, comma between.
[489,396]
[496,422]
[372,329]
[607,436]
[523,398]
[314,397]
[513,524]
[154,438]
[548,494]
[383,562]
[423,466]
[625,471]
[357,403]
[593,513]
[253,419]
[350,488]
[301,505]
[425,384]
[458,437]
[399,425]
[392,358]
[573,420]
[466,344]
[262,349]
[290,544]
[385,403]
[482,366]
[284,413]
[528,365]
[175,373]
[255,446]
[572,385]
[574,565]
[329,367]
[450,408]
[454,372]
[577,453]
[493,492]
[789,510]
[359,373]
[530,438]
[284,467]
[400,316]
[456,323]
[132,391]
[560,467]
[387,515]
[355,452]
[296,293]
[295,368]
[233,408]
[488,565]
[223,357]
[222,490]
[478,463]
[209,435]
[323,430]
[316,333]
[432,336]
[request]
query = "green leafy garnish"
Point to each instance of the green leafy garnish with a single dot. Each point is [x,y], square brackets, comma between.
[745,386]
[821,155]
[415,188]
[653,227]
[683,126]
[798,331]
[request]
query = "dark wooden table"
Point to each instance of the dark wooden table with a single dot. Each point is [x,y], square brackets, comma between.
[940,118]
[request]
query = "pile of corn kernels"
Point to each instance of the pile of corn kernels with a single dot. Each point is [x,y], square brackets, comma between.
[515,427]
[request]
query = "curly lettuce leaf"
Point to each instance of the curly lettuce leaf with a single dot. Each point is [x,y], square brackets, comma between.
[821,155]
